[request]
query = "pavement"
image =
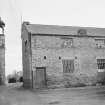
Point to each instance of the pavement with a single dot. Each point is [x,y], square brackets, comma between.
[14,94]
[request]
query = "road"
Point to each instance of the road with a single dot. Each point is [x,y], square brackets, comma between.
[16,95]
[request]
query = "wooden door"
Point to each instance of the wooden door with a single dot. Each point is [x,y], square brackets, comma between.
[40,77]
[68,66]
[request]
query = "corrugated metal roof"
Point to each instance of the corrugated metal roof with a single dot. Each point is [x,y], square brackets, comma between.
[63,30]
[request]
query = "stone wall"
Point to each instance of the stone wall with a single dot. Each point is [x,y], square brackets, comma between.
[26,66]
[46,51]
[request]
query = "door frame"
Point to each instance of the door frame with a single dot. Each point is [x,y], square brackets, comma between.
[34,76]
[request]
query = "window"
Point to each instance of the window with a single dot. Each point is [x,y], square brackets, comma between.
[101,63]
[68,65]
[82,32]
[26,46]
[100,43]
[59,57]
[68,43]
[44,57]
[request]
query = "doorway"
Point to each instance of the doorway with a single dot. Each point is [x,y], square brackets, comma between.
[40,77]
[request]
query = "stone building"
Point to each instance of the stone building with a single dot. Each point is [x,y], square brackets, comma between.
[51,50]
[2,53]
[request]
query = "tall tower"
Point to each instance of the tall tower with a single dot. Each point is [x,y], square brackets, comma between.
[2,53]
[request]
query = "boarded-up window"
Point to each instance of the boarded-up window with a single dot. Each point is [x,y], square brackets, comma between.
[101,63]
[68,66]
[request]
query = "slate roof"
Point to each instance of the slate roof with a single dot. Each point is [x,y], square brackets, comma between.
[63,30]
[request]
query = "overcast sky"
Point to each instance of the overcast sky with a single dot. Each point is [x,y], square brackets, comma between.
[87,13]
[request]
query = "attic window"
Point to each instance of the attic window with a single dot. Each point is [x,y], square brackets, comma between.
[82,32]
